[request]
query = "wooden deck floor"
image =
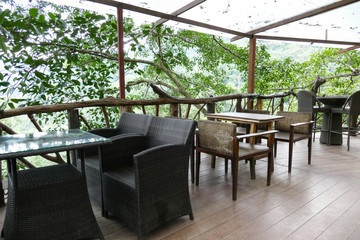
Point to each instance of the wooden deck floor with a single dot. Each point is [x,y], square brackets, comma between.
[318,201]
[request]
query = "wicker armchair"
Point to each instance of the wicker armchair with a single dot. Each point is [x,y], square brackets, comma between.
[296,126]
[49,203]
[307,102]
[220,139]
[351,108]
[129,124]
[145,179]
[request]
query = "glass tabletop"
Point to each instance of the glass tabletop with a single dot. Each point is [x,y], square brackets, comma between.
[21,145]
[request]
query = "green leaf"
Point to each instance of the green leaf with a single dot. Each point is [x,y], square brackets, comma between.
[4,84]
[2,45]
[33,12]
[52,16]
[11,105]
[16,48]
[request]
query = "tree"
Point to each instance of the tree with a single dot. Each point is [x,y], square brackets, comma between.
[54,54]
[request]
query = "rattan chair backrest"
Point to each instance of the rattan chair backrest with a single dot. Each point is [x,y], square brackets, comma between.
[134,123]
[217,136]
[291,118]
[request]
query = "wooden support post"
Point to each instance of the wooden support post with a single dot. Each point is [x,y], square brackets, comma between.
[120,29]
[251,74]
[174,110]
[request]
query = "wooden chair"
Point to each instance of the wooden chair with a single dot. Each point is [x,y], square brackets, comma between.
[220,139]
[351,108]
[296,126]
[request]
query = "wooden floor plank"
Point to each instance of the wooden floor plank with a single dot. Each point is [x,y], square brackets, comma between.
[317,201]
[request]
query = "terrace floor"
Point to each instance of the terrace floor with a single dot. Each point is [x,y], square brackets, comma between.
[318,201]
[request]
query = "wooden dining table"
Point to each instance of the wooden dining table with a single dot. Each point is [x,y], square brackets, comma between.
[253,119]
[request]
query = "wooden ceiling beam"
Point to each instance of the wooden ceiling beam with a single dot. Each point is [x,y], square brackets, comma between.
[305,40]
[349,49]
[180,11]
[311,13]
[168,16]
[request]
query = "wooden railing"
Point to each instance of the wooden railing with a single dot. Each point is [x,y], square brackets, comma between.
[272,103]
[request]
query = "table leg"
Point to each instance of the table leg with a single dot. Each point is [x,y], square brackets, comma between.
[252,130]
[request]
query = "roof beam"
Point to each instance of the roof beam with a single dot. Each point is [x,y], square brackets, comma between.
[168,16]
[305,40]
[180,11]
[311,13]
[348,49]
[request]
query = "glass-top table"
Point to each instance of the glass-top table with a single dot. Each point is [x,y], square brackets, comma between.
[22,145]
[57,189]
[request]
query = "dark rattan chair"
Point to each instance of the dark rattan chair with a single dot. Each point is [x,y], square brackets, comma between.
[220,139]
[351,108]
[129,123]
[49,203]
[145,179]
[296,126]
[307,102]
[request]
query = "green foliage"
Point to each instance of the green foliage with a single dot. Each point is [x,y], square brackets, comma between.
[54,54]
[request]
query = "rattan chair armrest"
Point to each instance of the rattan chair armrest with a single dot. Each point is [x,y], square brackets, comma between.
[301,124]
[256,134]
[120,152]
[105,132]
[161,162]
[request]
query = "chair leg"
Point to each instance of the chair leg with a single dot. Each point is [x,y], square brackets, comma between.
[235,178]
[270,168]
[192,164]
[309,151]
[275,147]
[191,216]
[226,165]
[349,132]
[197,167]
[213,161]
[291,146]
[252,169]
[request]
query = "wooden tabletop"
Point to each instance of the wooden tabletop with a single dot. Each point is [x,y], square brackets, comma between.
[244,117]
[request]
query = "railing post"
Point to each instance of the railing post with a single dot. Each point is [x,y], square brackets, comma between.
[73,123]
[211,109]
[259,104]
[2,199]
[126,109]
[281,104]
[238,105]
[174,110]
[73,119]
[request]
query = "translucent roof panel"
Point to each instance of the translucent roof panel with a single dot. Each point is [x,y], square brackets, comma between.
[341,24]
